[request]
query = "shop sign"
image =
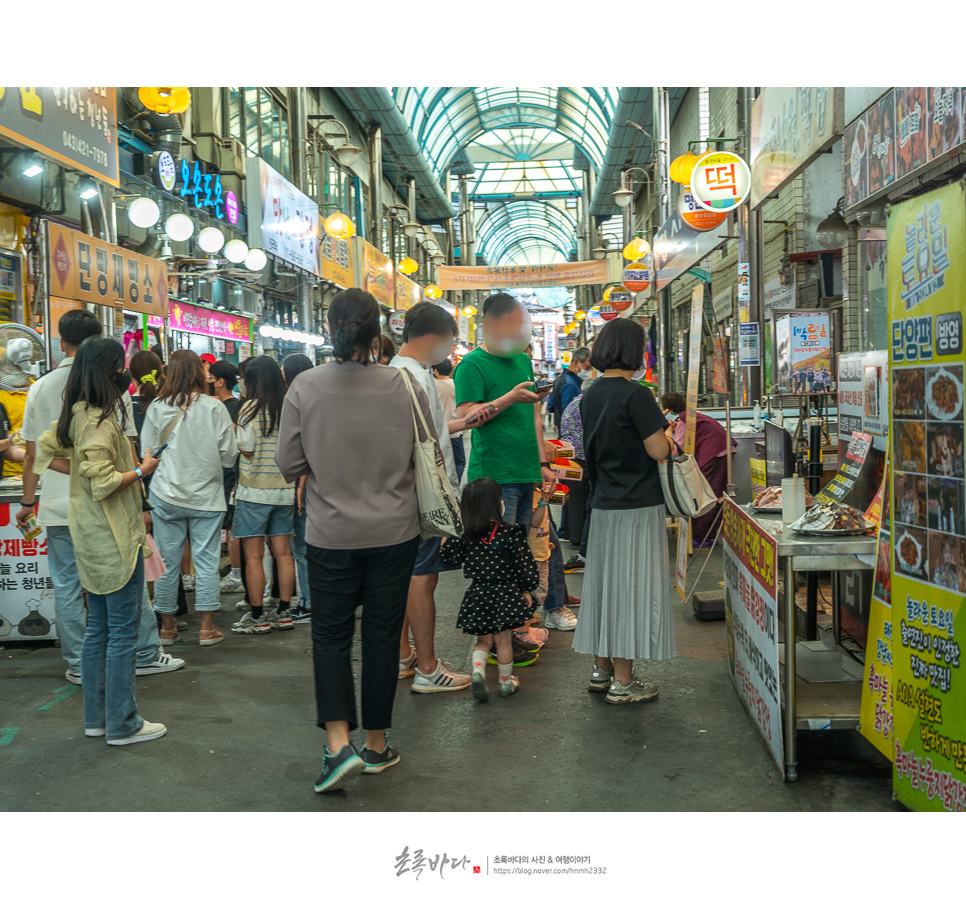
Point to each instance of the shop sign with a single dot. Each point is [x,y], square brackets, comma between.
[287,226]
[396,322]
[721,304]
[749,345]
[744,291]
[790,127]
[88,269]
[804,353]
[407,292]
[74,125]
[677,247]
[695,216]
[751,614]
[608,312]
[205,192]
[11,284]
[165,171]
[694,366]
[779,297]
[636,277]
[863,396]
[484,277]
[189,317]
[26,591]
[927,271]
[549,342]
[338,264]
[907,129]
[720,181]
[721,366]
[377,272]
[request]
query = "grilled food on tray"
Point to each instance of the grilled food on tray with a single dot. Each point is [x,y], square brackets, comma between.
[832,518]
[771,499]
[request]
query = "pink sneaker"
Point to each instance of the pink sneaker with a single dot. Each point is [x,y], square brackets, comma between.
[537,636]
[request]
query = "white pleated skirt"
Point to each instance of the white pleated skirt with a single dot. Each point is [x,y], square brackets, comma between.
[625,610]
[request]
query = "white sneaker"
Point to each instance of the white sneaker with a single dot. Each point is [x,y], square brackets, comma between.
[188,583]
[231,584]
[407,666]
[148,732]
[440,681]
[562,619]
[637,691]
[243,605]
[248,624]
[160,665]
[73,675]
[600,680]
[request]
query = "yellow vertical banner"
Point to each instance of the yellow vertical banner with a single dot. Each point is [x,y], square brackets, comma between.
[926,275]
[876,714]
[694,366]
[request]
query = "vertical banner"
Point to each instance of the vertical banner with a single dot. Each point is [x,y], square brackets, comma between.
[927,264]
[749,345]
[751,612]
[694,366]
[744,292]
[681,569]
[876,713]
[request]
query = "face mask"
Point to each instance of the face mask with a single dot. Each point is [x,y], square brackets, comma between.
[440,353]
[639,373]
[122,380]
[241,387]
[584,375]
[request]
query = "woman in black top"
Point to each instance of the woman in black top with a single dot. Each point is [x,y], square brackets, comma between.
[626,612]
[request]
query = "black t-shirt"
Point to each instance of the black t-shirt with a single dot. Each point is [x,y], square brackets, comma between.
[233,404]
[617,416]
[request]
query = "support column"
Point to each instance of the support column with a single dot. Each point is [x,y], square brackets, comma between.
[750,248]
[375,187]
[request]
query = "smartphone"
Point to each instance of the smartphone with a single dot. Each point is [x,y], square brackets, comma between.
[542,391]
[161,450]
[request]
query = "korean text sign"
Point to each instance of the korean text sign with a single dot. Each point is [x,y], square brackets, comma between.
[926,264]
[189,317]
[694,366]
[863,395]
[377,273]
[751,610]
[286,223]
[88,269]
[74,125]
[483,277]
[26,591]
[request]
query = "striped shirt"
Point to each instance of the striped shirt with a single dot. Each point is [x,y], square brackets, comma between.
[259,479]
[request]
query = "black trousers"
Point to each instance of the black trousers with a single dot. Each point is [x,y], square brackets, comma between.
[575,511]
[339,581]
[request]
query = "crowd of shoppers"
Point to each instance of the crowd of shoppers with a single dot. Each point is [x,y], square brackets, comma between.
[316,465]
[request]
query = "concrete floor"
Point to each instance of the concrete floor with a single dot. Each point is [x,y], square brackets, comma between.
[242,736]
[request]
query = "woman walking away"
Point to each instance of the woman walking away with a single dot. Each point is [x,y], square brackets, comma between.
[188,491]
[107,529]
[498,559]
[348,426]
[263,500]
[146,374]
[292,366]
[626,611]
[224,378]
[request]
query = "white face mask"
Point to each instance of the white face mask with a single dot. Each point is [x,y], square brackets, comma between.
[584,374]
[639,373]
[241,387]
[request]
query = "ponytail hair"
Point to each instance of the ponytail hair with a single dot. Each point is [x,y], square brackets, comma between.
[354,322]
[146,373]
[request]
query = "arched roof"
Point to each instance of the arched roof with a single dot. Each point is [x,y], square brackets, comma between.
[525,232]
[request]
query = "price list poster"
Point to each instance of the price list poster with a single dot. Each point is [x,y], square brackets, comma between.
[927,284]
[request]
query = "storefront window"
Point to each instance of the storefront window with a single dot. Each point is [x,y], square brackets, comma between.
[259,121]
[873,305]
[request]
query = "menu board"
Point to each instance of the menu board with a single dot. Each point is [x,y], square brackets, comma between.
[26,590]
[863,382]
[927,283]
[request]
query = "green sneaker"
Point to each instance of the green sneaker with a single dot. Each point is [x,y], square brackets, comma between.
[338,770]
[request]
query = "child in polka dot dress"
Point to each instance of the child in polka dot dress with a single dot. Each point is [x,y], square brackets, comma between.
[496,556]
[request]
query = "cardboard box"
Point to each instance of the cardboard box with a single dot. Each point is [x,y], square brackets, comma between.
[564,449]
[567,469]
[560,494]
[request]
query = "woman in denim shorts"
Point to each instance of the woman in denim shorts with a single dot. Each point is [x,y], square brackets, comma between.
[263,499]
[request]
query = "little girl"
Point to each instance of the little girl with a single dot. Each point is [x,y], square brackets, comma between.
[496,556]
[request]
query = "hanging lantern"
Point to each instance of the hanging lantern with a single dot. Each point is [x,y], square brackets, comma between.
[433,292]
[682,167]
[695,216]
[408,265]
[339,227]
[469,311]
[636,249]
[165,100]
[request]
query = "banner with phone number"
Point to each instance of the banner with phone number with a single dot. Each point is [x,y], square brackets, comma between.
[926,265]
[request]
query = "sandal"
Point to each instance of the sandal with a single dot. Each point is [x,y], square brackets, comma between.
[168,636]
[210,637]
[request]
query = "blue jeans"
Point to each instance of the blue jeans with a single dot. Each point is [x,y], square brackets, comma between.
[70,609]
[107,662]
[172,526]
[518,502]
[557,585]
[298,554]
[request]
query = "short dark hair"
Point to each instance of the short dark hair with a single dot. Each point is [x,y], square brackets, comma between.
[444,368]
[427,318]
[77,325]
[293,365]
[619,346]
[580,354]
[501,304]
[674,402]
[479,507]
[225,370]
[353,317]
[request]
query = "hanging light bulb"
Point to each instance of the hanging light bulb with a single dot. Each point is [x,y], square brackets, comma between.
[211,239]
[236,251]
[833,232]
[143,212]
[266,331]
[256,260]
[179,227]
[339,227]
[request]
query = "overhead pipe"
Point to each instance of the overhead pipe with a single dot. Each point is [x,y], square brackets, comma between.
[375,186]
[167,128]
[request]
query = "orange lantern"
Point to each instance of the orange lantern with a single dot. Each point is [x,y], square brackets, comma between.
[339,227]
[408,265]
[433,292]
[682,167]
[165,100]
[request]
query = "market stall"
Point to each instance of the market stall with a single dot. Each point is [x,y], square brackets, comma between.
[228,336]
